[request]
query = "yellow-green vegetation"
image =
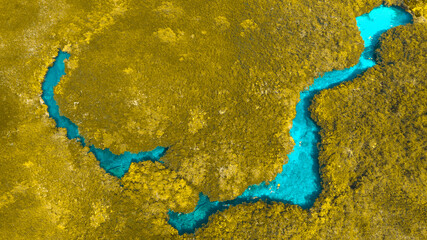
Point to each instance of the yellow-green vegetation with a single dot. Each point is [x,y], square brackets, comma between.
[418,8]
[374,141]
[140,209]
[216,80]
[373,162]
[149,182]
[50,187]
[258,221]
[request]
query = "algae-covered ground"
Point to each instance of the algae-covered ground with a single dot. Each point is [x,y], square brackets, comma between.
[217,82]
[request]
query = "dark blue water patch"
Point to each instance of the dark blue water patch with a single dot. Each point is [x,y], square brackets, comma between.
[116,165]
[299,182]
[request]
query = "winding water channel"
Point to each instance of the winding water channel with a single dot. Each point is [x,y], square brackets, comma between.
[116,165]
[299,182]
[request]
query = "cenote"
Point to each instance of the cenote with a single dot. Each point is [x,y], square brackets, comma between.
[299,182]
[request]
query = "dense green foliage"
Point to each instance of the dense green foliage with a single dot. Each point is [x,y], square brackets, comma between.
[217,81]
[258,221]
[373,145]
[140,208]
[50,187]
[418,8]
[150,182]
[374,140]
[373,162]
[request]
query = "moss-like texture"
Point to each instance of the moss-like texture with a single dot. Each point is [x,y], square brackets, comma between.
[418,8]
[372,157]
[374,144]
[216,81]
[149,182]
[140,208]
[258,221]
[52,188]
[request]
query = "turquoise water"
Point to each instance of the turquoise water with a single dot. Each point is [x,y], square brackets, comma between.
[116,165]
[300,181]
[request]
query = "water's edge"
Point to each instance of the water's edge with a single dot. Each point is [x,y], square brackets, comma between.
[299,182]
[116,165]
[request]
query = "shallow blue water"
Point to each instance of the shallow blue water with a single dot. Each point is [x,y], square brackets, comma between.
[116,165]
[299,182]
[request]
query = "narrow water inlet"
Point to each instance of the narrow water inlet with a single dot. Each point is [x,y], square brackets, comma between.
[116,165]
[299,182]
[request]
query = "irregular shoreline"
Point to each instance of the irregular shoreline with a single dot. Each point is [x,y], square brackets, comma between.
[298,183]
